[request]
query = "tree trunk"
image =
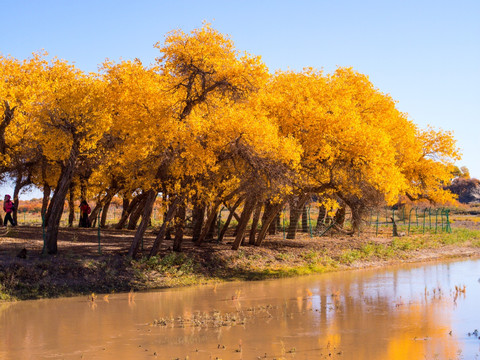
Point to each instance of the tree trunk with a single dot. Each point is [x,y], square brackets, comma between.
[305,219]
[16,191]
[322,212]
[197,221]
[83,188]
[296,208]
[71,205]
[275,225]
[163,229]
[229,218]
[246,214]
[46,197]
[151,195]
[340,216]
[266,224]
[92,219]
[272,230]
[210,218]
[8,114]
[135,214]
[105,212]
[256,218]
[46,188]
[126,212]
[211,229]
[179,227]
[125,204]
[55,209]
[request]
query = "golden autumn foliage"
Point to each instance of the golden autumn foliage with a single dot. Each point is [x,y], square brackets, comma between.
[205,120]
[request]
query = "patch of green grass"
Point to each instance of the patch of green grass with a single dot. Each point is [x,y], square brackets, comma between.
[284,272]
[174,263]
[283,256]
[4,295]
[457,236]
[254,257]
[405,244]
[350,256]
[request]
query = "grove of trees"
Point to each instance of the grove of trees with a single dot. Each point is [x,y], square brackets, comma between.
[206,126]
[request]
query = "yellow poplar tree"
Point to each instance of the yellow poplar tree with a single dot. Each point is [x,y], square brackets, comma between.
[73,119]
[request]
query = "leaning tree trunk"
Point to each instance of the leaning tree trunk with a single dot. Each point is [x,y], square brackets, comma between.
[106,206]
[211,229]
[242,226]
[255,220]
[272,214]
[126,212]
[163,229]
[151,195]
[125,204]
[179,227]
[135,215]
[229,218]
[55,209]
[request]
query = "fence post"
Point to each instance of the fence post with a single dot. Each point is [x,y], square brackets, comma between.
[409,219]
[386,217]
[283,222]
[98,232]
[441,218]
[393,222]
[448,229]
[376,232]
[309,220]
[424,217]
[436,218]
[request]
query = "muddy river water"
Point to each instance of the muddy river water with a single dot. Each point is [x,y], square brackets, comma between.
[428,311]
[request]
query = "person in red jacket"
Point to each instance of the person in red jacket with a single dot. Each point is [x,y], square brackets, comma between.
[9,208]
[84,211]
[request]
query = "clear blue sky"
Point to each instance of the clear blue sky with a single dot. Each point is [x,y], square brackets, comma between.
[425,54]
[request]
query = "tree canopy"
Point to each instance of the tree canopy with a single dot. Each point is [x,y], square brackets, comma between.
[206,124]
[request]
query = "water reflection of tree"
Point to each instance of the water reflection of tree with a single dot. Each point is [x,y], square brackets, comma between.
[378,326]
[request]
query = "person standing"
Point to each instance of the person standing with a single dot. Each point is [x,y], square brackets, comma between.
[84,211]
[9,208]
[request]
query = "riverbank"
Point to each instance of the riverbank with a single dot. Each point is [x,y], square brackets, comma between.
[88,263]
